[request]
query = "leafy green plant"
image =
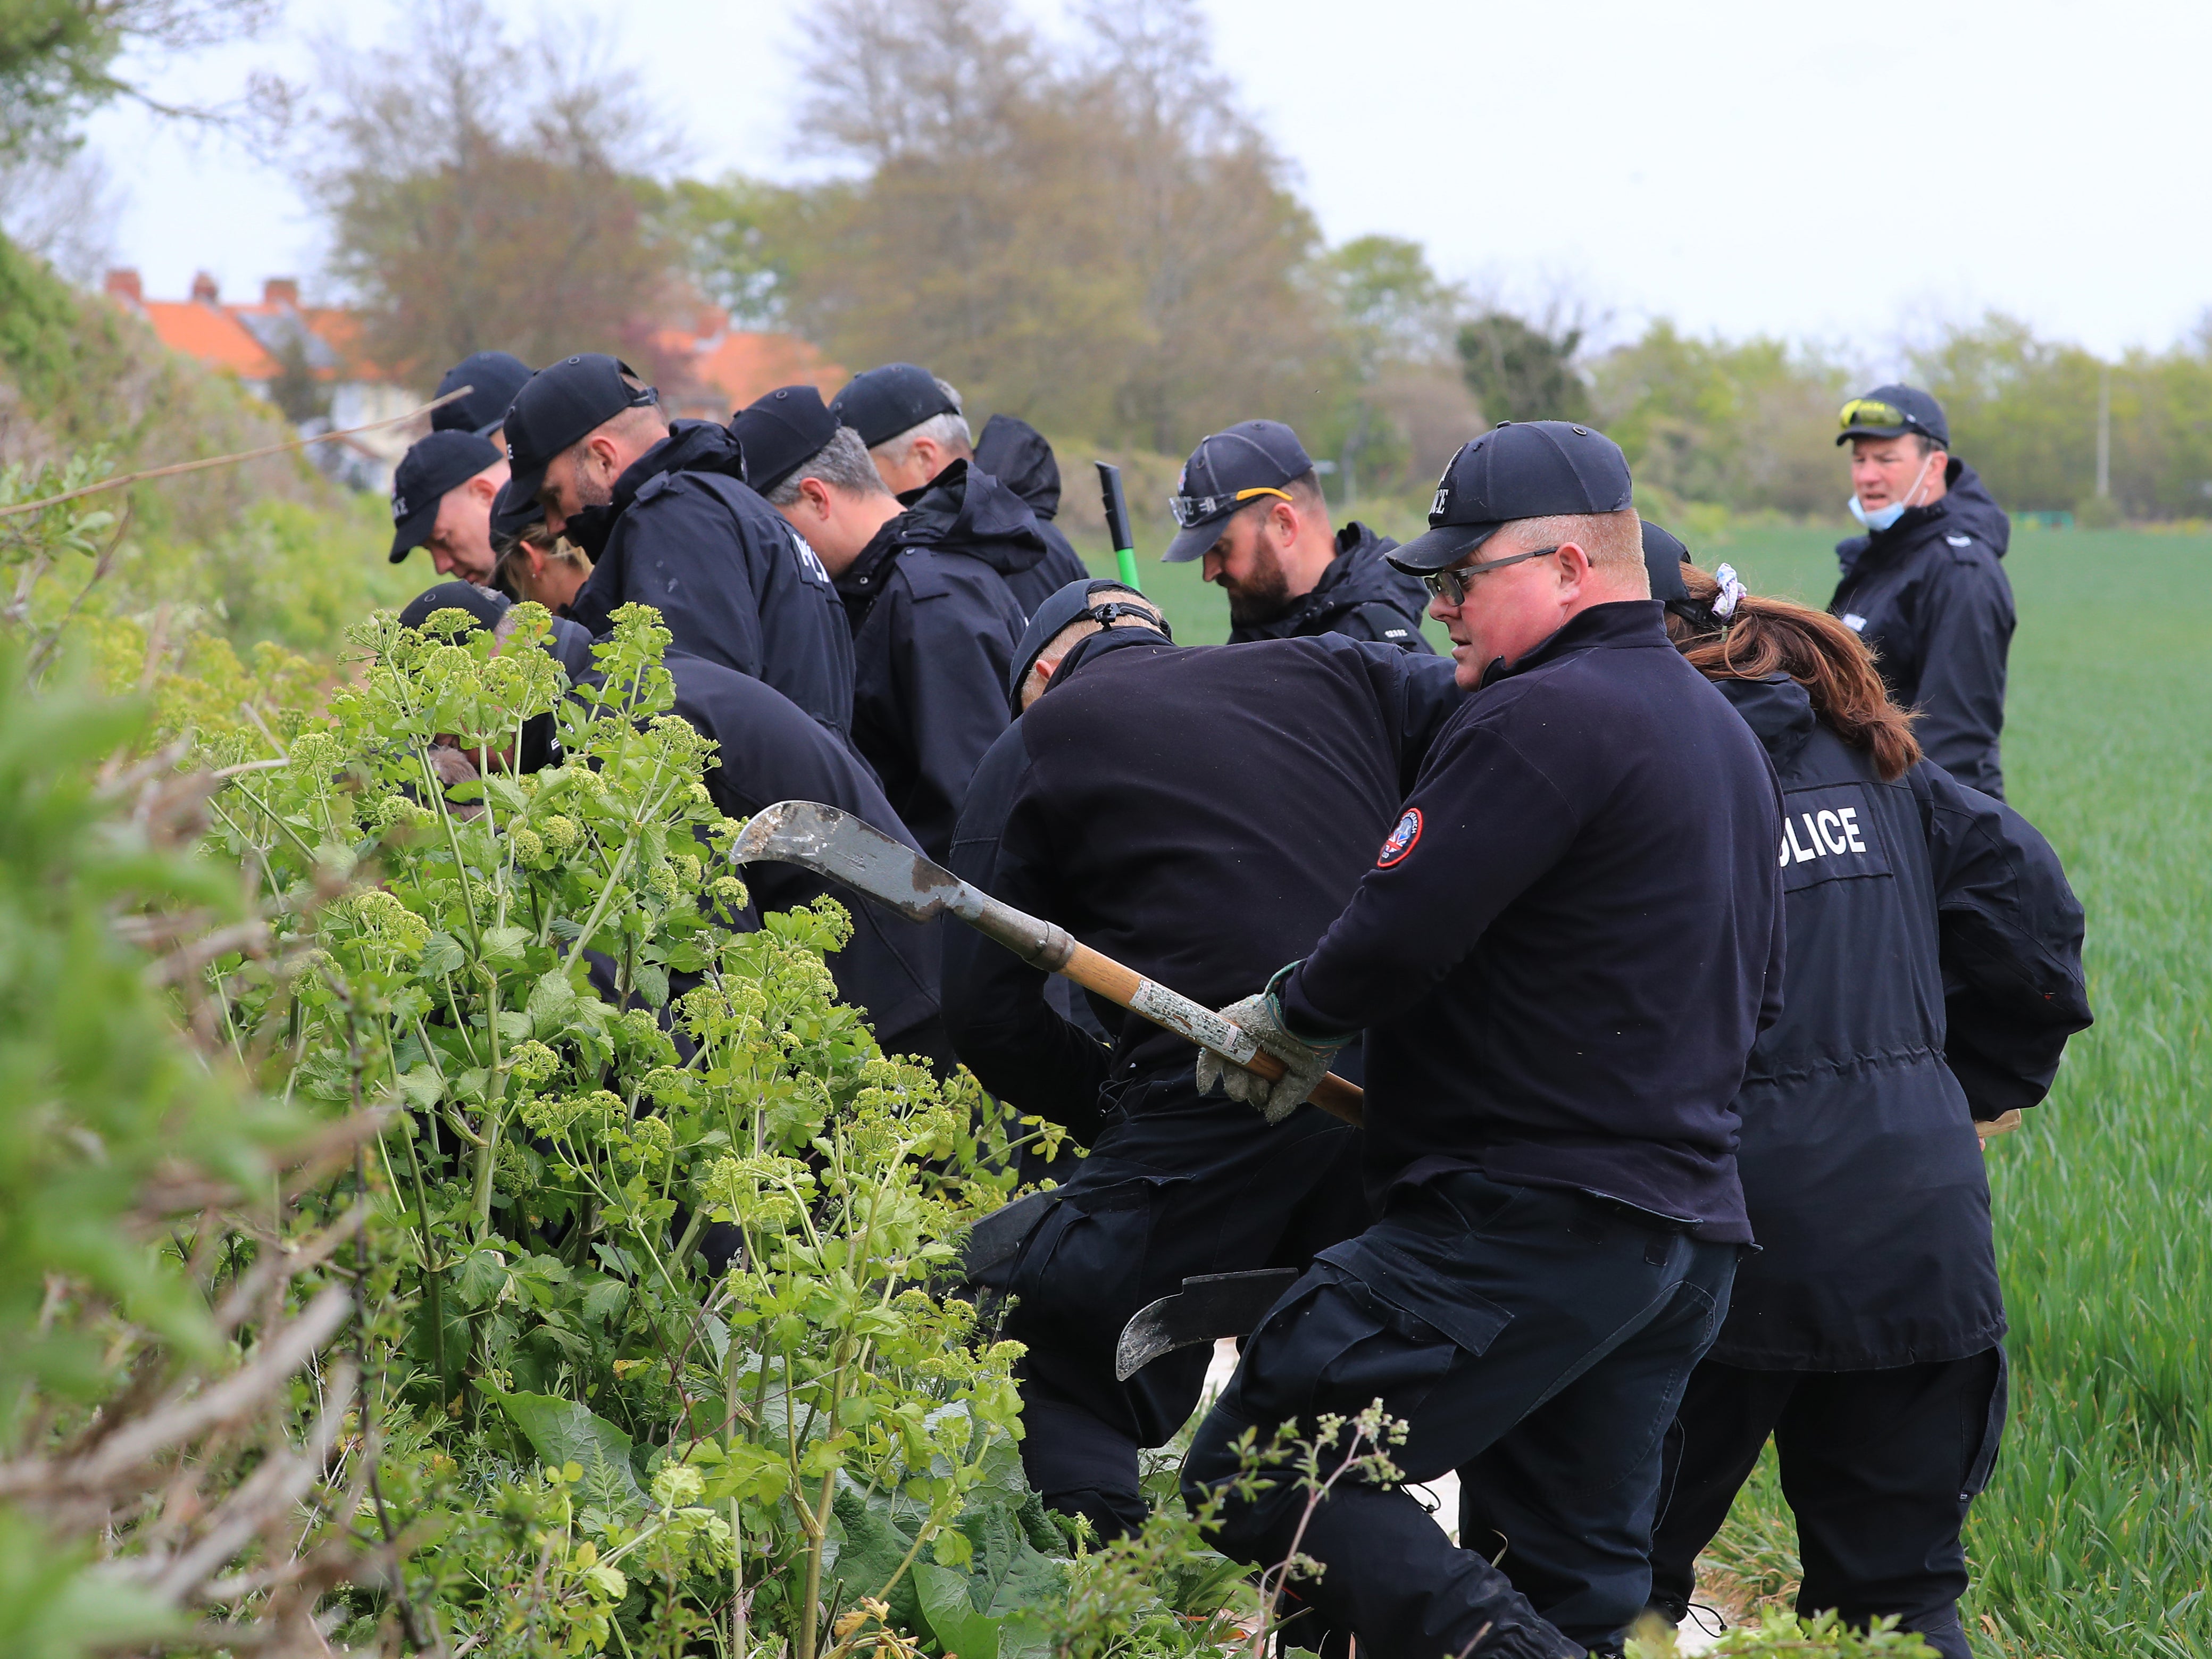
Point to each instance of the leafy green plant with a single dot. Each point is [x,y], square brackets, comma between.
[598,1074]
[1822,1637]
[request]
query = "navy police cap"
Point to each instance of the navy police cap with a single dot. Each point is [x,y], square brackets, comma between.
[1891,411]
[1664,556]
[1250,461]
[781,432]
[486,604]
[563,402]
[493,378]
[1063,608]
[887,401]
[1522,469]
[432,466]
[511,515]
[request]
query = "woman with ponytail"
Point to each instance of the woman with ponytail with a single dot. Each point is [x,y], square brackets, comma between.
[1934,973]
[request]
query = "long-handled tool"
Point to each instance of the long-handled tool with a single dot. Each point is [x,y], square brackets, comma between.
[852,851]
[1117,523]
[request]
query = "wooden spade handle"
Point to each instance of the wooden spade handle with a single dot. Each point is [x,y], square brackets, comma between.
[1175,1012]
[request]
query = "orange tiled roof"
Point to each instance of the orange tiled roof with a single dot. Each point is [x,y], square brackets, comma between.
[340,330]
[743,366]
[211,334]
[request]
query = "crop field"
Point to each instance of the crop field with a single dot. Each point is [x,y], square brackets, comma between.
[2095,1539]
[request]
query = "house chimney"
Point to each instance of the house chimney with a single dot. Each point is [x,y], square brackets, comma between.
[122,284]
[280,291]
[204,289]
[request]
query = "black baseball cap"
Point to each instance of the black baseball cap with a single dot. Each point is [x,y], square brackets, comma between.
[1522,469]
[1249,461]
[493,378]
[781,432]
[511,516]
[430,467]
[887,401]
[562,403]
[486,604]
[1891,411]
[1664,556]
[1066,606]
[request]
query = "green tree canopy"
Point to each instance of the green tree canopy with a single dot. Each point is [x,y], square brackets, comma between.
[58,57]
[1522,371]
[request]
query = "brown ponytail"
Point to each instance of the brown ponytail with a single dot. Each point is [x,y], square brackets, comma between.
[1766,635]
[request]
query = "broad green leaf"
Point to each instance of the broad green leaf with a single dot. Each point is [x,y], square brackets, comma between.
[954,1619]
[562,1432]
[870,1553]
[552,1003]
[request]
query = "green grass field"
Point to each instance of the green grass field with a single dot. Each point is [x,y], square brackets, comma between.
[2095,1537]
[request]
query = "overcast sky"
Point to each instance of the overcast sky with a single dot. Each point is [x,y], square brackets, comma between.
[1853,176]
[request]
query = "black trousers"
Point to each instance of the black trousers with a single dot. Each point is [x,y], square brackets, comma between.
[1174,1186]
[1879,1468]
[1537,1340]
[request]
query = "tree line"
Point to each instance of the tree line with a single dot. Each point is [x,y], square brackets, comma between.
[1089,233]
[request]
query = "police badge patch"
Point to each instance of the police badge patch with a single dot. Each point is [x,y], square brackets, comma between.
[1401,839]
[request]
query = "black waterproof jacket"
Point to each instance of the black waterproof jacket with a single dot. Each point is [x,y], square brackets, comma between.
[771,751]
[1198,813]
[1572,935]
[1015,453]
[934,626]
[1933,943]
[1361,595]
[732,581]
[1930,595]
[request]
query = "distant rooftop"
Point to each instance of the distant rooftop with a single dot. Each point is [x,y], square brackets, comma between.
[714,369]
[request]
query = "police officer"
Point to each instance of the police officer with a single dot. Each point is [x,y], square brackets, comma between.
[1924,586]
[1199,814]
[534,564]
[1560,958]
[663,512]
[442,499]
[1016,453]
[767,750]
[492,379]
[1934,973]
[1251,508]
[933,627]
[912,424]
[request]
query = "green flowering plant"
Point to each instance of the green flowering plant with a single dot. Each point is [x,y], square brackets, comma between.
[656,1213]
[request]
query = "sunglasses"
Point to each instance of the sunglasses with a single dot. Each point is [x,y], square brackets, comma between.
[1453,586]
[1190,510]
[1872,412]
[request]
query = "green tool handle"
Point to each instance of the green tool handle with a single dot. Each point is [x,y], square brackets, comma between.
[1117,523]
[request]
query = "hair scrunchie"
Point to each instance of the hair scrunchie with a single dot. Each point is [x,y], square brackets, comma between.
[1733,591]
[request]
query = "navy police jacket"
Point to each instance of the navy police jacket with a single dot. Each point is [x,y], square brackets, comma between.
[1361,595]
[732,581]
[1572,936]
[1015,453]
[1934,974]
[934,626]
[1198,813]
[1930,596]
[769,750]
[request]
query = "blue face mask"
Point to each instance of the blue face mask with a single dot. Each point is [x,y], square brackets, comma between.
[1882,517]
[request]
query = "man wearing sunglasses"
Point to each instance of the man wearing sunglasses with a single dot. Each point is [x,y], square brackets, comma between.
[1567,944]
[1924,586]
[1250,506]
